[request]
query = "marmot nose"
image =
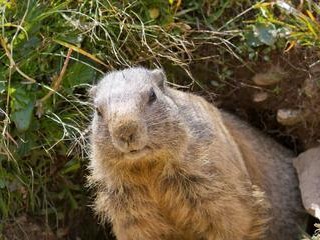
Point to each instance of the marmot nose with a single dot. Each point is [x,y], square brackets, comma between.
[127,133]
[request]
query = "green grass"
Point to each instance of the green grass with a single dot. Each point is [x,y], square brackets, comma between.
[52,51]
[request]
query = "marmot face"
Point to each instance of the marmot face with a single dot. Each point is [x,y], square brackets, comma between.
[135,117]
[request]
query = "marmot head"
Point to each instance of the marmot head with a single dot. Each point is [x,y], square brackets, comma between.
[135,117]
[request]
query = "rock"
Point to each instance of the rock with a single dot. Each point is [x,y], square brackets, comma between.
[274,75]
[307,165]
[289,117]
[260,97]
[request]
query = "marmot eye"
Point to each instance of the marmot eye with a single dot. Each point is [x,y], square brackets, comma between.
[98,112]
[152,96]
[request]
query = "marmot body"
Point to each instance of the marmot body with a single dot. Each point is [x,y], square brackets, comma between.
[168,165]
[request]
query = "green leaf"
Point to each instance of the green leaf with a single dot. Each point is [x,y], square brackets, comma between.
[73,38]
[21,98]
[2,184]
[266,33]
[22,118]
[29,46]
[2,87]
[252,40]
[71,166]
[22,104]
[72,200]
[78,74]
[27,141]
[3,206]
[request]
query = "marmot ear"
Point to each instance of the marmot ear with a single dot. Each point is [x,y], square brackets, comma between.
[159,77]
[93,91]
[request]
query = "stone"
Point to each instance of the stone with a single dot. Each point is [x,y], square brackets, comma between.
[307,165]
[289,117]
[272,76]
[260,97]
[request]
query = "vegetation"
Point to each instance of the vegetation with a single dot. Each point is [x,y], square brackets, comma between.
[316,235]
[52,51]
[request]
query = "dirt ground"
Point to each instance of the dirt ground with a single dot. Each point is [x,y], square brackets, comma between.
[287,109]
[27,228]
[84,227]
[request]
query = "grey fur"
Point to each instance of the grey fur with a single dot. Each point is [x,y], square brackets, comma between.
[172,166]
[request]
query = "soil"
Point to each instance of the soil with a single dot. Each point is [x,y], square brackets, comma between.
[84,226]
[25,227]
[299,89]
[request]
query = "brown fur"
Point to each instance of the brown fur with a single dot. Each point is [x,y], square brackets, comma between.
[203,175]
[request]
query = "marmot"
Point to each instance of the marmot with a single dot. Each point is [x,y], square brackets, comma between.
[168,165]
